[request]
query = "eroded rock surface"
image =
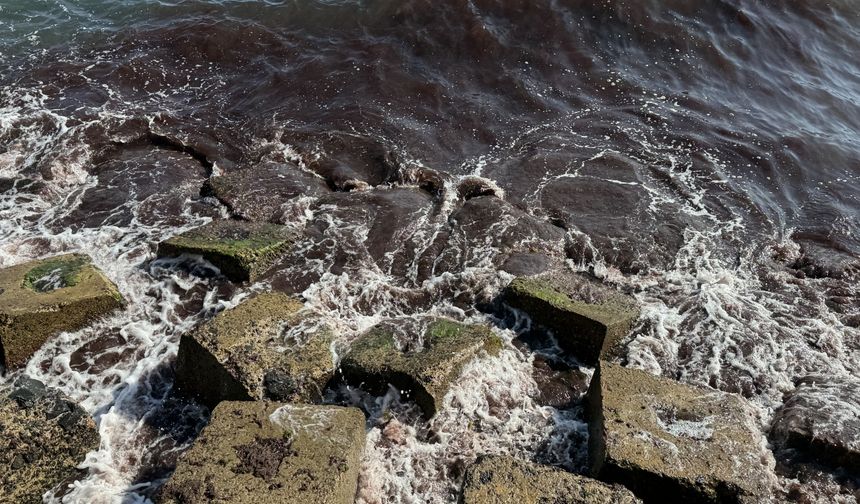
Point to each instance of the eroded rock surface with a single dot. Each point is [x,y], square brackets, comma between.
[41,298]
[588,318]
[822,417]
[420,359]
[253,351]
[670,442]
[254,452]
[241,250]
[505,480]
[44,436]
[258,193]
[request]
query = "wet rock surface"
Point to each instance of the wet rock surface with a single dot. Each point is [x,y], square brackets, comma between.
[419,359]
[41,298]
[821,417]
[587,318]
[255,452]
[255,350]
[670,442]
[241,250]
[44,436]
[258,193]
[506,480]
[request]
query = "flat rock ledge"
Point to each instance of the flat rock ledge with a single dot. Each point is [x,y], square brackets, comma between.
[241,250]
[253,452]
[242,354]
[39,299]
[44,436]
[420,361]
[505,480]
[673,443]
[821,417]
[587,318]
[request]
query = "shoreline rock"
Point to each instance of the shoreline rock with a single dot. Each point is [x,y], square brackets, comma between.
[241,250]
[240,355]
[506,480]
[44,436]
[821,417]
[254,452]
[423,366]
[587,318]
[673,443]
[39,299]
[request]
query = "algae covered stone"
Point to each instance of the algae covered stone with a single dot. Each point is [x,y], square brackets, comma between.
[41,298]
[419,357]
[674,443]
[822,418]
[241,250]
[44,436]
[587,318]
[262,348]
[506,480]
[256,451]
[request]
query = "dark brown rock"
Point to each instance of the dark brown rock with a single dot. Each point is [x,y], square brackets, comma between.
[822,418]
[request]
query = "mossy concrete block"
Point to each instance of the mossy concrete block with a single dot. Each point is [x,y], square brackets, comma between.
[506,480]
[242,354]
[253,452]
[44,436]
[821,417]
[673,443]
[420,361]
[41,298]
[241,250]
[588,318]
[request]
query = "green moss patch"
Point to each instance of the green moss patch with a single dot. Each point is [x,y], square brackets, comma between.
[55,274]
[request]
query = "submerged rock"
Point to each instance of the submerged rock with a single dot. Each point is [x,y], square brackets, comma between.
[670,442]
[587,318]
[241,250]
[243,354]
[254,452]
[257,193]
[44,436]
[41,298]
[506,480]
[822,417]
[419,361]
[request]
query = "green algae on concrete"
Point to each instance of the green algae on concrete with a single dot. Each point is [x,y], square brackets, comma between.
[587,318]
[257,452]
[422,372]
[43,438]
[506,480]
[240,355]
[41,298]
[241,250]
[673,443]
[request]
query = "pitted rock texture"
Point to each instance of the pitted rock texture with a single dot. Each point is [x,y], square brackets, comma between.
[44,436]
[41,298]
[506,480]
[254,452]
[673,443]
[243,354]
[420,359]
[241,250]
[588,318]
[822,417]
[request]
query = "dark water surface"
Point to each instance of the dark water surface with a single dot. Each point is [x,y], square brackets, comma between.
[704,156]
